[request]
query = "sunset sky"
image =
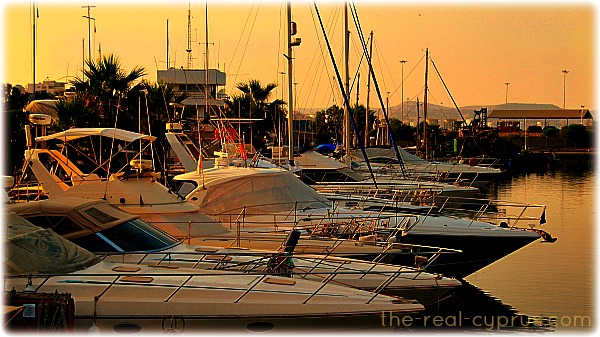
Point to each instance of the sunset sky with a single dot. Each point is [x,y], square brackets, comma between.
[477,47]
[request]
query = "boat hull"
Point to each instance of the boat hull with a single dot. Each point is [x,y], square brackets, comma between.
[477,251]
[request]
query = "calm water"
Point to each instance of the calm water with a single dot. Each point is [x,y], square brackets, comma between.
[550,280]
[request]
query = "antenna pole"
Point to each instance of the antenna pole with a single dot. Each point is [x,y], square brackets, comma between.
[189,38]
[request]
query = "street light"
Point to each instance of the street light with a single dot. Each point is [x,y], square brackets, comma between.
[402,89]
[506,102]
[565,72]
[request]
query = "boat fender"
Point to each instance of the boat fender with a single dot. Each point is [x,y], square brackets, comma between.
[503,224]
[173,325]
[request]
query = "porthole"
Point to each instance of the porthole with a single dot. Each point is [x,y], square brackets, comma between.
[260,327]
[127,328]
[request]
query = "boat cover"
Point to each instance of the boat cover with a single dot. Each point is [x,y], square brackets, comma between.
[269,192]
[42,106]
[31,249]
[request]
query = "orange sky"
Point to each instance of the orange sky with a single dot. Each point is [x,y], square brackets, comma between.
[476,47]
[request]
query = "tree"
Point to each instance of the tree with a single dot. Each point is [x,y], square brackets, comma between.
[13,103]
[254,103]
[74,112]
[107,87]
[328,125]
[578,134]
[403,133]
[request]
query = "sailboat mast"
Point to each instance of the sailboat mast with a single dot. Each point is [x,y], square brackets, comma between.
[347,134]
[290,94]
[167,44]
[34,44]
[206,91]
[368,91]
[425,103]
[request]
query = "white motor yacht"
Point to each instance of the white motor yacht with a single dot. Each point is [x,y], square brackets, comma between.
[132,298]
[105,230]
[276,199]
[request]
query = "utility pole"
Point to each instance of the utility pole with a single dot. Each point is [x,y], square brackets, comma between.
[506,100]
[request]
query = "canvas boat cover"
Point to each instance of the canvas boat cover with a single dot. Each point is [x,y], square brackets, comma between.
[311,160]
[72,134]
[42,106]
[267,192]
[34,250]
[410,159]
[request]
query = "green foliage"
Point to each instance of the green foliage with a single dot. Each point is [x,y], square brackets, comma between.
[253,102]
[107,88]
[13,117]
[551,131]
[74,112]
[577,133]
[328,125]
[403,132]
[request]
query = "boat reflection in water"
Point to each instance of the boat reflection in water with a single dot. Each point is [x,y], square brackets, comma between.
[471,309]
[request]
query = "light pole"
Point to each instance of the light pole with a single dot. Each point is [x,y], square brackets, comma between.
[506,101]
[565,72]
[402,90]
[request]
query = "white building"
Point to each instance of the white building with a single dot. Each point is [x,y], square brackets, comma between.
[51,87]
[193,81]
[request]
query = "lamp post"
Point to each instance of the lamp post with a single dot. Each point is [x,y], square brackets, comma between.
[565,72]
[402,90]
[506,99]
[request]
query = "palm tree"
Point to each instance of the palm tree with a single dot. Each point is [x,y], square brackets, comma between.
[107,87]
[254,103]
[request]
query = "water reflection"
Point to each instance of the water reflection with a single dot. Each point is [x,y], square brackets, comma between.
[473,309]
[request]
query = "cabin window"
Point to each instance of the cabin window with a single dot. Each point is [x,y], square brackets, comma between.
[100,216]
[136,235]
[94,244]
[184,188]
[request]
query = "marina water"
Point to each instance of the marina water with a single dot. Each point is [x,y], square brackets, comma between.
[552,282]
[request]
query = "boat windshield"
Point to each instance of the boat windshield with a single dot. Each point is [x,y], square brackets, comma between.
[131,236]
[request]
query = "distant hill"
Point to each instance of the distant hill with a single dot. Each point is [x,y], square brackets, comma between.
[441,112]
